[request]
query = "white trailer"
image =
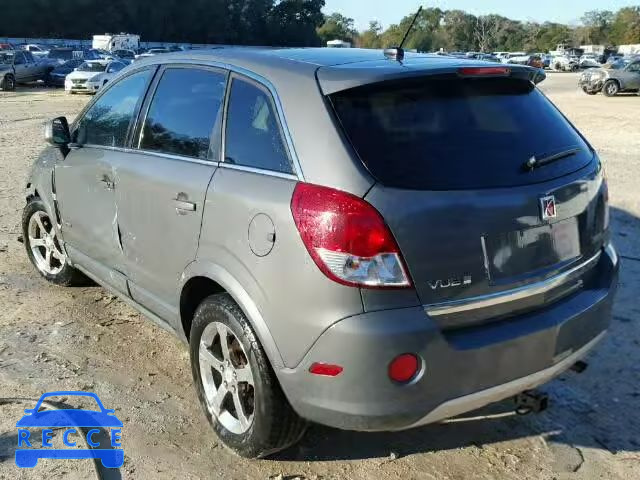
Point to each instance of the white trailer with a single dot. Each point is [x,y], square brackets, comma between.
[118,41]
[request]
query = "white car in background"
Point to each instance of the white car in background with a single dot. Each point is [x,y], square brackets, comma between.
[92,75]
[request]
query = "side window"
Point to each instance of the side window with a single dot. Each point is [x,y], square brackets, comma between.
[634,67]
[28,57]
[186,106]
[18,59]
[253,134]
[107,122]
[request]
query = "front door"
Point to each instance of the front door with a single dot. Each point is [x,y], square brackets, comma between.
[162,188]
[84,180]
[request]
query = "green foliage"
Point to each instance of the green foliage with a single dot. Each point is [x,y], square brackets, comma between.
[302,23]
[243,22]
[456,30]
[337,27]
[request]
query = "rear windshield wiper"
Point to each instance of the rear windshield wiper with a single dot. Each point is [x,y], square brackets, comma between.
[535,162]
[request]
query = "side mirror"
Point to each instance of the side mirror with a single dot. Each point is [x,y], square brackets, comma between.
[56,132]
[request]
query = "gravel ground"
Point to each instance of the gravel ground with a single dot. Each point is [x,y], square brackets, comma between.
[84,339]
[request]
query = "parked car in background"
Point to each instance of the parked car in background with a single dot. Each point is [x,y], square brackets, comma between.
[564,63]
[512,55]
[487,57]
[151,52]
[124,54]
[6,46]
[58,56]
[334,282]
[36,50]
[18,66]
[589,60]
[56,77]
[611,81]
[529,60]
[91,76]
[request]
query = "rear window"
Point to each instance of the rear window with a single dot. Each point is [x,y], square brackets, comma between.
[448,133]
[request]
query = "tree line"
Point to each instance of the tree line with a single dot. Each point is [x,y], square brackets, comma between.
[240,22]
[456,30]
[302,23]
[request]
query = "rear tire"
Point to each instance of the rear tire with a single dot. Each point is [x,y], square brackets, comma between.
[45,248]
[8,83]
[240,378]
[610,88]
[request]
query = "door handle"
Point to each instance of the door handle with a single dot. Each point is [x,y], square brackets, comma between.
[183,207]
[108,183]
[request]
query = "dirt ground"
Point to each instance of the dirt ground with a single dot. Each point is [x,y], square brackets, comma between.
[53,338]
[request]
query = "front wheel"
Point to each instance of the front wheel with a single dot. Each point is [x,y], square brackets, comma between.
[588,92]
[610,88]
[44,247]
[236,386]
[8,83]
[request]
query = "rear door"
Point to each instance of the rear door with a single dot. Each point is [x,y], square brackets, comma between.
[163,180]
[471,218]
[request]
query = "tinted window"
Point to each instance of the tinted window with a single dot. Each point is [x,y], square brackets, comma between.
[453,133]
[253,136]
[107,121]
[183,113]
[18,59]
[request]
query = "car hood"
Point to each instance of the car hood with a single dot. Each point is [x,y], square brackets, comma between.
[69,418]
[83,75]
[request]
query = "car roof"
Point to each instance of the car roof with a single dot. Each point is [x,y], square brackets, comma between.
[335,68]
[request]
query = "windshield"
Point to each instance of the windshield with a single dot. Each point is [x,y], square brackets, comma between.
[6,58]
[449,133]
[92,67]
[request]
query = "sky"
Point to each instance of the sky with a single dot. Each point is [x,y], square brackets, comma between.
[392,11]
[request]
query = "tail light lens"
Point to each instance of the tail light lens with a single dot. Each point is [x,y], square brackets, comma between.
[347,238]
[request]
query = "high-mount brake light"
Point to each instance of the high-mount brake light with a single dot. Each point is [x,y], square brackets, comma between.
[347,238]
[483,71]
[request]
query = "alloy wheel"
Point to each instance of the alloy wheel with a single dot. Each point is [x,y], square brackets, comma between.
[45,245]
[227,378]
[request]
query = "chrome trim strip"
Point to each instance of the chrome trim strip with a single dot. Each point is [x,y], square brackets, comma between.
[154,154]
[492,299]
[260,171]
[479,399]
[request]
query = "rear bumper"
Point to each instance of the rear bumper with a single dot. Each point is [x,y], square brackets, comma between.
[462,369]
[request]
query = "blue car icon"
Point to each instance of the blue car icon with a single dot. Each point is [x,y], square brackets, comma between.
[104,418]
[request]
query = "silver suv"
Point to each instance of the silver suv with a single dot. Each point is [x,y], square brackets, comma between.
[341,237]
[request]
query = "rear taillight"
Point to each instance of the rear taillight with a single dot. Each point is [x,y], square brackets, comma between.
[347,238]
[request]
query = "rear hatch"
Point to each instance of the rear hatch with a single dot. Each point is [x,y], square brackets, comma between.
[483,234]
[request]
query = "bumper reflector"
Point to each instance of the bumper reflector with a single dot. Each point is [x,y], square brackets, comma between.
[325,369]
[404,367]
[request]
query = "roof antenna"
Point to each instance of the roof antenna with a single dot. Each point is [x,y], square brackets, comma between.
[397,53]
